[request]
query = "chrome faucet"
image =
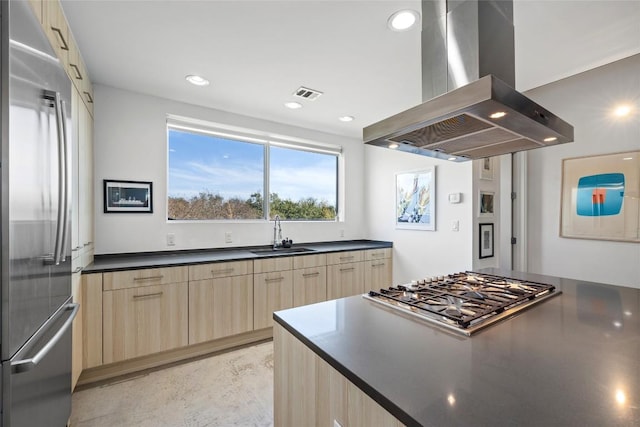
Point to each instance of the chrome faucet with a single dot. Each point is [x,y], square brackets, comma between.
[277,226]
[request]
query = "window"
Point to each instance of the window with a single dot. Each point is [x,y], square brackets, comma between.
[224,176]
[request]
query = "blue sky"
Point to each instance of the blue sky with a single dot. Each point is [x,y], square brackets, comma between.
[235,169]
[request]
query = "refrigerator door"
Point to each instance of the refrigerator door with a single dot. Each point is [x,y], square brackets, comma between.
[35,97]
[38,379]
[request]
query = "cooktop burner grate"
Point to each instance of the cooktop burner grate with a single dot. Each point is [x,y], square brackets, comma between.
[465,302]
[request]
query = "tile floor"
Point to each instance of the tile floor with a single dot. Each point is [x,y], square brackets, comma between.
[228,389]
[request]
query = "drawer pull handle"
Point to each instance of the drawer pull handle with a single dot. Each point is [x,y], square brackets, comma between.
[375,255]
[64,45]
[346,257]
[275,279]
[377,265]
[148,278]
[77,70]
[348,269]
[226,270]
[155,294]
[317,273]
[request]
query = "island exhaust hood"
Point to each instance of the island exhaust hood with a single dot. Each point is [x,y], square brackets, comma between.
[464,119]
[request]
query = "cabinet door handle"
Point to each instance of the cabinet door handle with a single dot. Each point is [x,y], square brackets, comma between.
[77,70]
[88,243]
[89,97]
[347,257]
[275,279]
[148,278]
[377,265]
[64,44]
[155,294]
[226,270]
[317,273]
[77,270]
[348,269]
[376,255]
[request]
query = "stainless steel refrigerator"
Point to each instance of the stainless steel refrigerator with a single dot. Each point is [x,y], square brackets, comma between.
[36,308]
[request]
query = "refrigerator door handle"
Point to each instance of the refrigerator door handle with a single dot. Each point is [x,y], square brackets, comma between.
[66,181]
[54,97]
[24,365]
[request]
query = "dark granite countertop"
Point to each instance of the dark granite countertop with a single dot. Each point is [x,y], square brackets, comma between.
[132,261]
[573,360]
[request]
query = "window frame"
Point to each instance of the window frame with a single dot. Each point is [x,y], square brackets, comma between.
[266,139]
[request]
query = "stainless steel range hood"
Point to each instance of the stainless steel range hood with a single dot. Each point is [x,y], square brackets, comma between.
[461,121]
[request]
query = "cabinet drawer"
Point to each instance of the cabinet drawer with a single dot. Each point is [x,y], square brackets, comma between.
[273,264]
[375,254]
[308,261]
[146,277]
[344,257]
[220,269]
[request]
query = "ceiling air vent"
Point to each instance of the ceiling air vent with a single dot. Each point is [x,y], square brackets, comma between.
[306,93]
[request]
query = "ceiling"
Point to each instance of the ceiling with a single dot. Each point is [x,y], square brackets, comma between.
[257,53]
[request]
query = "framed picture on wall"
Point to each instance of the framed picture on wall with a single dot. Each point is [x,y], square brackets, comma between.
[416,200]
[486,168]
[127,196]
[486,240]
[601,197]
[485,202]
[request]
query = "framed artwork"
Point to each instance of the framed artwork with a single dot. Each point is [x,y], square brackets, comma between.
[485,202]
[486,168]
[127,196]
[601,197]
[486,240]
[416,200]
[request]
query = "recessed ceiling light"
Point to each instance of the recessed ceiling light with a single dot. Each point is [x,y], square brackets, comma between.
[451,158]
[497,115]
[393,145]
[346,118]
[550,139]
[293,105]
[622,110]
[627,158]
[403,20]
[197,80]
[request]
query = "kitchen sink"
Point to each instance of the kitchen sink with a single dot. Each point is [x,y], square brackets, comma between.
[273,251]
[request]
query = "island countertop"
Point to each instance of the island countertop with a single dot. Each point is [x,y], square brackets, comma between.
[573,360]
[132,261]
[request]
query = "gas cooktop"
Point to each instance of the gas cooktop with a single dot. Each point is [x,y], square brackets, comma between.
[464,302]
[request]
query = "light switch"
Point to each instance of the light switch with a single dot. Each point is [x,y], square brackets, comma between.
[228,238]
[171,239]
[455,225]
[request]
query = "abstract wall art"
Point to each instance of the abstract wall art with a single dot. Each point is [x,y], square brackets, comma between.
[601,197]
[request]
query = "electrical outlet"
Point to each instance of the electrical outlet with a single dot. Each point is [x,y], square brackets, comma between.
[171,239]
[455,225]
[342,232]
[228,238]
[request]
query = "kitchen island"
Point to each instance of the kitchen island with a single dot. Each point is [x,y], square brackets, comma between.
[573,360]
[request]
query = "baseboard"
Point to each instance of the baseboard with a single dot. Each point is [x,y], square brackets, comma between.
[104,373]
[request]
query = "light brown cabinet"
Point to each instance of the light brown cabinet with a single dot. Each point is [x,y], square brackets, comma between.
[345,280]
[309,279]
[76,331]
[378,269]
[272,289]
[144,320]
[220,306]
[57,30]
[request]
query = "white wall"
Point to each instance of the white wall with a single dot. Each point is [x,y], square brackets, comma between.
[585,101]
[130,144]
[419,254]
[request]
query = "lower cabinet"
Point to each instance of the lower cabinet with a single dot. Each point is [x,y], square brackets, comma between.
[377,274]
[76,334]
[144,320]
[309,285]
[345,280]
[271,292]
[220,307]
